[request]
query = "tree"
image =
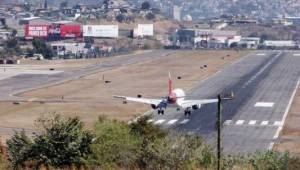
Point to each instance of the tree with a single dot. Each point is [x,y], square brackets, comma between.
[63,4]
[120,18]
[150,16]
[114,146]
[145,5]
[61,142]
[19,149]
[41,47]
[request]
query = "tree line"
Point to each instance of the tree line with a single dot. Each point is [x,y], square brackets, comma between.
[65,143]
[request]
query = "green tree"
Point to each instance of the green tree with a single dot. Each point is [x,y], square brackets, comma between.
[41,47]
[63,4]
[145,5]
[61,142]
[114,146]
[150,16]
[120,18]
[19,149]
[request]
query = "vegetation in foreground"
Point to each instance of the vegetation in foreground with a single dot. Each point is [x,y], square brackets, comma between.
[64,143]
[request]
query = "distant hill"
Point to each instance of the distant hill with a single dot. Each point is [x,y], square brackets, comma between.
[210,8]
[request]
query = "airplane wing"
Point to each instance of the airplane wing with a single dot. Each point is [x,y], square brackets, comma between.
[140,100]
[190,103]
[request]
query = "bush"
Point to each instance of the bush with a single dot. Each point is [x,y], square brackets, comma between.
[115,146]
[62,142]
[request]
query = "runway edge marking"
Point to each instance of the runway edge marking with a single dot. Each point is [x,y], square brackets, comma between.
[285,114]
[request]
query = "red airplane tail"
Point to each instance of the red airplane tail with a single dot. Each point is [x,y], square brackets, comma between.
[170,84]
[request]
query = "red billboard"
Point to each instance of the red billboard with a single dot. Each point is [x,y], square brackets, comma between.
[70,31]
[40,31]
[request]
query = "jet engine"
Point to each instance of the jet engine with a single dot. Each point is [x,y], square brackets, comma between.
[154,106]
[196,107]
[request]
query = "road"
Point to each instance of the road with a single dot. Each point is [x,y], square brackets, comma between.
[24,82]
[263,83]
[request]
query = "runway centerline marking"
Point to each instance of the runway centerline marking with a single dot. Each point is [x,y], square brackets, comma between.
[184,121]
[264,123]
[160,121]
[172,121]
[252,122]
[240,122]
[261,70]
[264,104]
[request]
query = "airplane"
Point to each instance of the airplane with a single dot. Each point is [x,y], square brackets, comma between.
[175,98]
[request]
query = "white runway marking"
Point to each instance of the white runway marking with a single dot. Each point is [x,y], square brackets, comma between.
[286,111]
[261,70]
[159,121]
[277,123]
[264,123]
[240,122]
[271,145]
[252,122]
[227,122]
[261,54]
[184,121]
[150,120]
[296,54]
[172,121]
[264,104]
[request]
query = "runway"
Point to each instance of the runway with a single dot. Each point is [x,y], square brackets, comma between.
[12,84]
[263,83]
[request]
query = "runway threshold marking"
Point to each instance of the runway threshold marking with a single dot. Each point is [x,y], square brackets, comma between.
[160,121]
[252,122]
[227,122]
[184,121]
[255,123]
[264,123]
[150,121]
[261,54]
[277,123]
[264,104]
[240,122]
[172,121]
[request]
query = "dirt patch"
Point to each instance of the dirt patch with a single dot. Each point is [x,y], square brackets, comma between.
[289,140]
[91,96]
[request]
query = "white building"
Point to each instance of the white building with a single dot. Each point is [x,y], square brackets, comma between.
[176,13]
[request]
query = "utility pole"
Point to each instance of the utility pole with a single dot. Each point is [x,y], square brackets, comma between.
[218,125]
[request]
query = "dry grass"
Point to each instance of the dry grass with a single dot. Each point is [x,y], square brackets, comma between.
[90,96]
[290,136]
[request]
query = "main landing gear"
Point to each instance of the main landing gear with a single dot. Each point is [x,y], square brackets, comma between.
[187,112]
[161,111]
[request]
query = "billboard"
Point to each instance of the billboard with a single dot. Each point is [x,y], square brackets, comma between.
[40,31]
[103,31]
[144,30]
[70,31]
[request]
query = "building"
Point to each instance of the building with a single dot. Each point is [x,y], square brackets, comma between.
[176,13]
[69,50]
[34,21]
[280,44]
[293,20]
[249,42]
[207,38]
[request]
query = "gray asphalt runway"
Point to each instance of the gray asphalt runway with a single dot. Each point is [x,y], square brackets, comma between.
[21,83]
[263,83]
